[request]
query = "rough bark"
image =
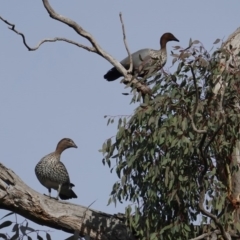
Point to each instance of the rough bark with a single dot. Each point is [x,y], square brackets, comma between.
[16,196]
[231,64]
[233,45]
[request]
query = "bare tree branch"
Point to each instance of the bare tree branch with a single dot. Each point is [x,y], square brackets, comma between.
[16,196]
[12,27]
[127,77]
[126,46]
[96,48]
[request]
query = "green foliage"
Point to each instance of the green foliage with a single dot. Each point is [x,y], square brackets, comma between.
[21,230]
[171,150]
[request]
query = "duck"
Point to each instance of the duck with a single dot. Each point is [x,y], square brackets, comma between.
[52,173]
[145,61]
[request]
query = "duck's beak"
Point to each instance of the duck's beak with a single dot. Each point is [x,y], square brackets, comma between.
[175,39]
[74,146]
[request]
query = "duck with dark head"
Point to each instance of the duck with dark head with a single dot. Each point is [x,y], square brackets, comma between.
[143,60]
[52,173]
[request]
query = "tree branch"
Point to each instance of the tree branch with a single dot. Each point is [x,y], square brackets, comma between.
[16,196]
[213,137]
[196,104]
[12,27]
[127,77]
[208,214]
[194,126]
[96,48]
[126,46]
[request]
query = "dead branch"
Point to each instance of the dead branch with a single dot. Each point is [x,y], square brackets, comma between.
[12,27]
[127,77]
[125,43]
[96,48]
[16,196]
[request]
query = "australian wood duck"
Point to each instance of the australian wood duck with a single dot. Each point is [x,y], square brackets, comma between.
[52,173]
[145,61]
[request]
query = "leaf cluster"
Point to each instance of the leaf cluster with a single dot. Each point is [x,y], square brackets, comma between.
[21,230]
[176,146]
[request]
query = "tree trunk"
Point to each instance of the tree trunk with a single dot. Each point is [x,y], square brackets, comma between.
[231,64]
[16,196]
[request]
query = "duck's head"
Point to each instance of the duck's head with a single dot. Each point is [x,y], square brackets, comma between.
[166,37]
[64,144]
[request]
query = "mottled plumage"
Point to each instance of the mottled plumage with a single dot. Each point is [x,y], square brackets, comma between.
[52,173]
[145,61]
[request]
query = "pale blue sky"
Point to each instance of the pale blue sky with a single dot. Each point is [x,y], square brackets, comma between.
[59,91]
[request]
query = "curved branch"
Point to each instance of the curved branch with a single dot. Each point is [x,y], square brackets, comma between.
[127,77]
[12,27]
[96,48]
[16,196]
[194,126]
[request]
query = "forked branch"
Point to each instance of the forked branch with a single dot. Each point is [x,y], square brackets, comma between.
[17,197]
[96,48]
[12,27]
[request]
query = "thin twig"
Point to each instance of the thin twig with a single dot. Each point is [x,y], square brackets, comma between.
[126,45]
[12,27]
[84,215]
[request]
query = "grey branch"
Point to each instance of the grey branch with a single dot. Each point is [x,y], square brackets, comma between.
[125,43]
[16,196]
[12,27]
[78,29]
[96,48]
